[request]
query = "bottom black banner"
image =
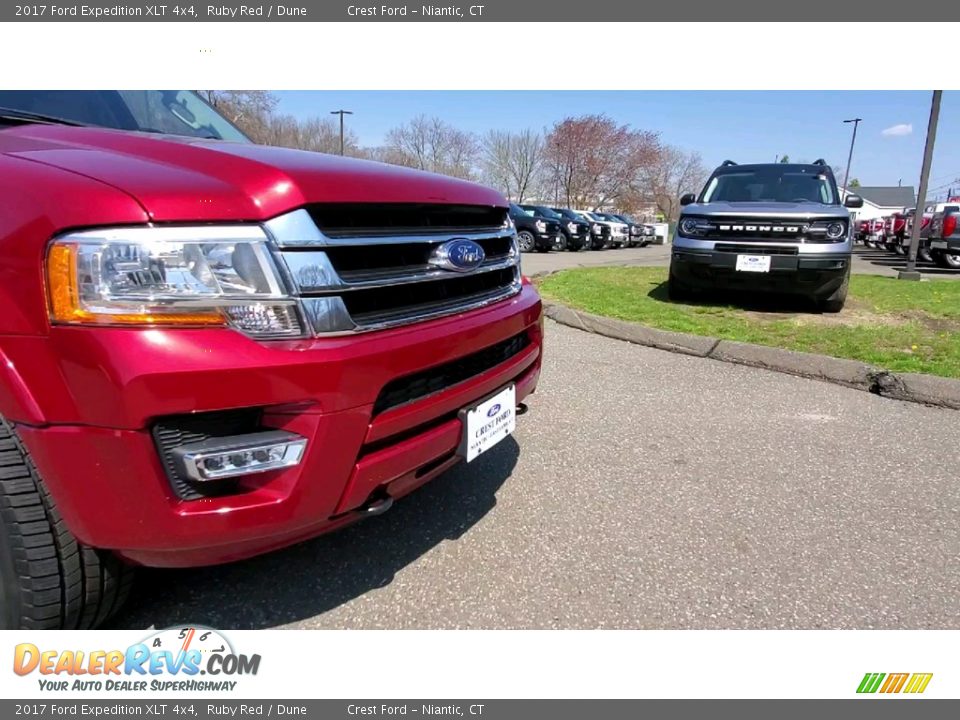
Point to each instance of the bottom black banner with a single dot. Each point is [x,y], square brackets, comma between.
[872,708]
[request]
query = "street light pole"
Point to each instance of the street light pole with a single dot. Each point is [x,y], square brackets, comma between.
[846,177]
[341,113]
[911,272]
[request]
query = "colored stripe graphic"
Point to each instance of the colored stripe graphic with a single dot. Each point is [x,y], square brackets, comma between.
[870,682]
[918,682]
[894,683]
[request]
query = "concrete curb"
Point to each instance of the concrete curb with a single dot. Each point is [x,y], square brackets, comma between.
[910,387]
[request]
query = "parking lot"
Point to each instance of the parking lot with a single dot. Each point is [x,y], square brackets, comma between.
[644,490]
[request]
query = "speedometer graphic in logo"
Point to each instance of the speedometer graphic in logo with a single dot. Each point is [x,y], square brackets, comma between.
[182,639]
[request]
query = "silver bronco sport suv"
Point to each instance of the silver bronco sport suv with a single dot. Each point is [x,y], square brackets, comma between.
[775,227]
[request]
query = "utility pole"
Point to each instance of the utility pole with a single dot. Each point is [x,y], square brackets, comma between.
[911,272]
[341,113]
[846,177]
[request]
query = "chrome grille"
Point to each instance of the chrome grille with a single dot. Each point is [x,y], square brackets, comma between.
[357,276]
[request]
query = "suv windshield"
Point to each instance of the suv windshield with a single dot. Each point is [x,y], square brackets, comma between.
[541,210]
[174,112]
[771,184]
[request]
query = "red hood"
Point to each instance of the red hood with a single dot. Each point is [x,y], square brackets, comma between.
[185,179]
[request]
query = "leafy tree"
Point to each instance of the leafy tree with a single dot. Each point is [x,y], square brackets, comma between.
[596,160]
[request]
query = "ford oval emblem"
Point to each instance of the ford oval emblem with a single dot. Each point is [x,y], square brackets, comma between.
[459,255]
[494,410]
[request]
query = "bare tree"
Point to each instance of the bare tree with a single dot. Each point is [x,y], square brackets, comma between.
[596,160]
[249,110]
[318,134]
[512,161]
[428,143]
[674,173]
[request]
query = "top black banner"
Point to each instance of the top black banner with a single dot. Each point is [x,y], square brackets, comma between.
[738,11]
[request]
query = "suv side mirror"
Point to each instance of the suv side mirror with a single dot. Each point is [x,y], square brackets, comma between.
[688,199]
[853,201]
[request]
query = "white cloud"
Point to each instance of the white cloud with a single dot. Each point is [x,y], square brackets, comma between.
[898,130]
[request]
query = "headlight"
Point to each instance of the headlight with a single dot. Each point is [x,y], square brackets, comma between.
[836,230]
[572,227]
[179,276]
[690,226]
[596,229]
[541,226]
[827,231]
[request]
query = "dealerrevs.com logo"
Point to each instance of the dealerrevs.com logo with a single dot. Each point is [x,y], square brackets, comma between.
[178,659]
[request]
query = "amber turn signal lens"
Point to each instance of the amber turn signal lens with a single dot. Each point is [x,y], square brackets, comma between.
[65,305]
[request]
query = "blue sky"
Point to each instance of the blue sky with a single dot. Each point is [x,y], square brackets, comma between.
[746,126]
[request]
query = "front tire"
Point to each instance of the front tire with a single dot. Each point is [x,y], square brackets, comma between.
[49,580]
[526,241]
[946,260]
[834,302]
[677,290]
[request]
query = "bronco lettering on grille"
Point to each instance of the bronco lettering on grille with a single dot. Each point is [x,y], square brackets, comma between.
[759,228]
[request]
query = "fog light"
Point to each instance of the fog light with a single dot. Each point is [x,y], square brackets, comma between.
[228,457]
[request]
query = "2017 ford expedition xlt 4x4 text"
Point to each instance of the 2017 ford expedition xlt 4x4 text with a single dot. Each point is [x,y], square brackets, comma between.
[778,228]
[211,349]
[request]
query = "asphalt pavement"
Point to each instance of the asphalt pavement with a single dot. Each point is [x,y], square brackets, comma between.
[643,489]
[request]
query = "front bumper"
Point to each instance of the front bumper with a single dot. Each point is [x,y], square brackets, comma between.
[804,274]
[548,241]
[576,241]
[105,387]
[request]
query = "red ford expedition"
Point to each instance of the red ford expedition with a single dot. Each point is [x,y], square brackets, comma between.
[212,349]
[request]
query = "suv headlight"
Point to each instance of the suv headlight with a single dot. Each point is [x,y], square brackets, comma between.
[170,276]
[691,227]
[827,231]
[596,229]
[836,230]
[541,226]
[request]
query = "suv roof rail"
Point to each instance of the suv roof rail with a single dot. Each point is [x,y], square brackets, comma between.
[819,161]
[728,163]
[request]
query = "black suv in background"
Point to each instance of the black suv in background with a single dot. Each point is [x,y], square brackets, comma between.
[575,231]
[536,232]
[600,238]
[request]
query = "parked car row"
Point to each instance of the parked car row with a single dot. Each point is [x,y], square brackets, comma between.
[542,228]
[939,235]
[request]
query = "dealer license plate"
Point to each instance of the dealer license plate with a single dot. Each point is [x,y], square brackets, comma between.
[488,423]
[939,244]
[753,263]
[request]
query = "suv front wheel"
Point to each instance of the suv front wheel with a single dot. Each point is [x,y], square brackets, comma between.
[48,580]
[834,302]
[677,290]
[526,241]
